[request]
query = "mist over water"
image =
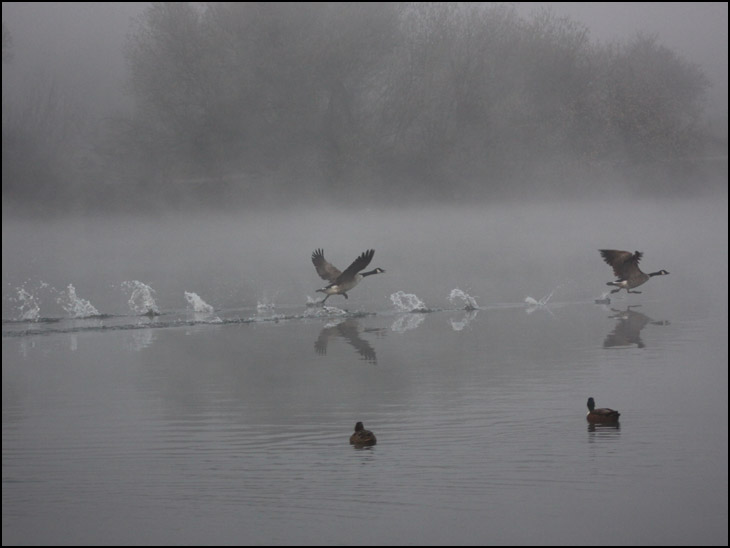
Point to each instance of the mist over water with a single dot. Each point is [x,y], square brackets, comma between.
[175,375]
[170,372]
[353,103]
[535,254]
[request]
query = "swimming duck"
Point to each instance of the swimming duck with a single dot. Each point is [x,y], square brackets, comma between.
[342,282]
[601,415]
[626,268]
[362,436]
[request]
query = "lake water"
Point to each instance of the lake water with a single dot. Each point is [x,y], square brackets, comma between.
[224,417]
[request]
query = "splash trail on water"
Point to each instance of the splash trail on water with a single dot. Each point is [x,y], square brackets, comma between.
[75,306]
[408,302]
[141,300]
[470,302]
[28,307]
[198,305]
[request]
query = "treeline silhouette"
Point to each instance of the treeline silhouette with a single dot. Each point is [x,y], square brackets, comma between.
[249,103]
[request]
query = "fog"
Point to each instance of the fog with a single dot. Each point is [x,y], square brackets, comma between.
[168,170]
[233,425]
[698,31]
[557,124]
[140,108]
[81,44]
[496,254]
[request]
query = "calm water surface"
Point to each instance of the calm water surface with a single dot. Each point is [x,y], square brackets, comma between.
[231,426]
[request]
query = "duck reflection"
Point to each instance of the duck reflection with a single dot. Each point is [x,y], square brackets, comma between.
[607,428]
[628,328]
[350,331]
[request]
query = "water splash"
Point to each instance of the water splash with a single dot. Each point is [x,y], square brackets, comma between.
[542,302]
[198,305]
[75,306]
[263,306]
[28,306]
[407,302]
[266,303]
[470,302]
[29,300]
[313,301]
[316,310]
[141,301]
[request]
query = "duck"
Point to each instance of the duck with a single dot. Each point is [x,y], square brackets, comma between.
[342,282]
[362,436]
[601,415]
[626,268]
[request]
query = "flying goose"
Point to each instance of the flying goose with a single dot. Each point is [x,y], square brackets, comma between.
[626,268]
[601,415]
[361,436]
[342,282]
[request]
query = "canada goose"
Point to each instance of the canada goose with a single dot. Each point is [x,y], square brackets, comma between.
[362,436]
[601,415]
[342,282]
[626,268]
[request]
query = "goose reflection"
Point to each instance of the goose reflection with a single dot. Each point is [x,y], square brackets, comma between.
[628,328]
[350,331]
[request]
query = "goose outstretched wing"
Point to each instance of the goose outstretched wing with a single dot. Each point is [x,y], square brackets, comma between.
[357,265]
[624,263]
[324,268]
